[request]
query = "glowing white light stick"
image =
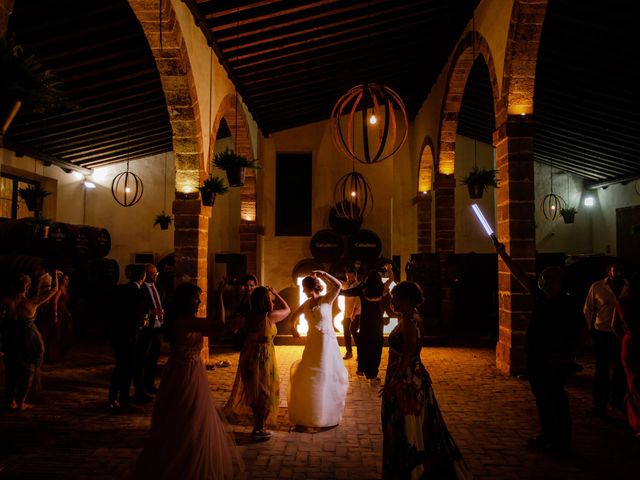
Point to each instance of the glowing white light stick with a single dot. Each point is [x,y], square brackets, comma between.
[483,221]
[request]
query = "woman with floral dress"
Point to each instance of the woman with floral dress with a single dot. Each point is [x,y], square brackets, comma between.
[416,442]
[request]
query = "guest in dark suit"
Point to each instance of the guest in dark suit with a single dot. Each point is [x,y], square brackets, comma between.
[150,337]
[126,320]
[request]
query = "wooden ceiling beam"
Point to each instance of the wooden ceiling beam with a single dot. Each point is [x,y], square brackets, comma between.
[144,153]
[43,157]
[116,148]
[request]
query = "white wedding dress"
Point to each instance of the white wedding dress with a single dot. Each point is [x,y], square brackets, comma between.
[319,380]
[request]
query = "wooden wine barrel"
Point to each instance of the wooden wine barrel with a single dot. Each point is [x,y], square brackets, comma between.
[18,237]
[99,241]
[341,224]
[59,242]
[326,246]
[304,267]
[80,244]
[364,245]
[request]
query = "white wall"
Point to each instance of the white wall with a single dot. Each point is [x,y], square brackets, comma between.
[131,228]
[603,213]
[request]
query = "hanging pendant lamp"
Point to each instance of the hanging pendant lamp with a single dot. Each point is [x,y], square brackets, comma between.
[552,204]
[352,196]
[365,125]
[127,187]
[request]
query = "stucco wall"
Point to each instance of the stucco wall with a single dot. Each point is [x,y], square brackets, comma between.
[131,228]
[603,214]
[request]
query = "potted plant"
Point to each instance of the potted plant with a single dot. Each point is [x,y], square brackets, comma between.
[234,165]
[24,83]
[211,187]
[568,214]
[33,196]
[163,220]
[478,181]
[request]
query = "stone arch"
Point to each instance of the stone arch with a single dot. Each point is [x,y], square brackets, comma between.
[462,62]
[426,167]
[513,140]
[231,110]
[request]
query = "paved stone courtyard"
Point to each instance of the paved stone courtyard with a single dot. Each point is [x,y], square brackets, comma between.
[70,434]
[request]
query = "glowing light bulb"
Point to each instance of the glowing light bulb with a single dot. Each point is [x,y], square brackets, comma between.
[373,119]
[128,190]
[353,193]
[589,202]
[553,207]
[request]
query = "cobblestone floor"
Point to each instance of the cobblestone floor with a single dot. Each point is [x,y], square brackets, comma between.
[70,435]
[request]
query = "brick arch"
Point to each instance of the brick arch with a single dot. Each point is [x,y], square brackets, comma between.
[513,140]
[231,110]
[426,167]
[445,181]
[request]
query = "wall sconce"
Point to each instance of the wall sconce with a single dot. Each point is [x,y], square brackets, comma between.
[589,201]
[89,185]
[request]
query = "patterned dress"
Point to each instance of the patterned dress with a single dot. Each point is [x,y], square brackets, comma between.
[258,383]
[416,442]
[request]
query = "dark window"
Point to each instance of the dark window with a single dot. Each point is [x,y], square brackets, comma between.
[11,205]
[293,194]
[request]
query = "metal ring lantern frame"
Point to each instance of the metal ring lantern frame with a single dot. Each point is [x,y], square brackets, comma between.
[352,196]
[376,108]
[127,188]
[552,204]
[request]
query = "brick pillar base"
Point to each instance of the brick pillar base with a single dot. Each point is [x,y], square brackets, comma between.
[191,241]
[516,229]
[445,188]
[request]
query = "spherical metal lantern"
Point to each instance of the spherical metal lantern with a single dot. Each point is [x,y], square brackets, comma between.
[551,206]
[365,123]
[127,188]
[352,196]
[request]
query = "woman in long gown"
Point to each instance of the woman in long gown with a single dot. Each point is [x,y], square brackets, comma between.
[258,384]
[416,442]
[188,439]
[319,381]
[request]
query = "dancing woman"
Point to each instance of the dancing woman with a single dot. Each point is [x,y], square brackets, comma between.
[319,380]
[259,384]
[416,442]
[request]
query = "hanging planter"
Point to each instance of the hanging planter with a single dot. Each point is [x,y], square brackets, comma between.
[568,214]
[33,196]
[163,220]
[211,187]
[234,166]
[478,181]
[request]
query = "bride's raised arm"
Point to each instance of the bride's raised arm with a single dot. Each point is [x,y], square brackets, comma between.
[333,285]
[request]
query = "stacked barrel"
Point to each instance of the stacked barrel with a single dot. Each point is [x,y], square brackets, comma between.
[343,245]
[78,250]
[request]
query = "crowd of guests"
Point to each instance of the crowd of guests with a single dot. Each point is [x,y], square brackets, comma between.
[416,441]
[35,326]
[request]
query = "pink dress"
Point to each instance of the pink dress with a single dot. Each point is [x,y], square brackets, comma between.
[188,439]
[631,364]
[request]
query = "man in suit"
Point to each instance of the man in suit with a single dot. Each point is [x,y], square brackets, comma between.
[150,337]
[126,320]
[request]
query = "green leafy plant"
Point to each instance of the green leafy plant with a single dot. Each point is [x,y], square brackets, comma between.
[211,187]
[24,79]
[214,185]
[568,214]
[228,159]
[478,180]
[163,220]
[33,196]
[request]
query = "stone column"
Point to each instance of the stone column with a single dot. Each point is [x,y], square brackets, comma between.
[516,229]
[6,7]
[191,243]
[424,201]
[445,187]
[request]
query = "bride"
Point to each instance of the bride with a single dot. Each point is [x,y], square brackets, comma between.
[319,380]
